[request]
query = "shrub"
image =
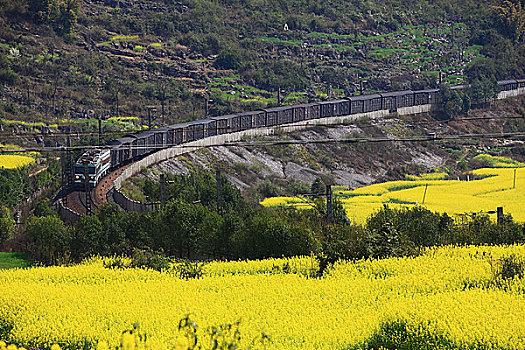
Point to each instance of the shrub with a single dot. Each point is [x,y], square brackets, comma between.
[189,269]
[508,268]
[49,239]
[150,259]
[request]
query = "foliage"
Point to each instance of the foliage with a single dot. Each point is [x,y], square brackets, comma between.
[7,224]
[511,13]
[149,259]
[16,184]
[14,260]
[7,75]
[49,239]
[455,102]
[509,268]
[187,269]
[60,14]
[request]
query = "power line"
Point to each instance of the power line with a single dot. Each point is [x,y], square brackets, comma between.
[358,123]
[283,142]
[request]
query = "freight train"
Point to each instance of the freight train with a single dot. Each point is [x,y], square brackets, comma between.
[132,147]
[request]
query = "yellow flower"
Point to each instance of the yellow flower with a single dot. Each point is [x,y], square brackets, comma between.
[102,345]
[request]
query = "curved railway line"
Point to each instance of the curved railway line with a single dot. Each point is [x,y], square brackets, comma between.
[133,151]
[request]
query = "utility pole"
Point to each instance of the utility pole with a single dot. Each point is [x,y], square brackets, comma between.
[99,131]
[514,182]
[329,208]
[150,109]
[219,191]
[425,194]
[87,188]
[65,186]
[162,190]
[499,213]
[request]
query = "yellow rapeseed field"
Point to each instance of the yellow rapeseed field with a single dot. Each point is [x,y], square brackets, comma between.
[492,188]
[446,291]
[12,161]
[18,160]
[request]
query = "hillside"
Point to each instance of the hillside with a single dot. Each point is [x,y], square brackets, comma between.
[63,60]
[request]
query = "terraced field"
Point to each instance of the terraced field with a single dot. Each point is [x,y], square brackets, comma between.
[482,190]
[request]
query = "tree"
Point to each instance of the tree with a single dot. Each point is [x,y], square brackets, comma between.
[7,224]
[87,239]
[49,239]
[453,104]
[112,239]
[229,59]
[7,76]
[511,14]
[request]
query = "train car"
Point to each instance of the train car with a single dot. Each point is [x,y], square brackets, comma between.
[136,145]
[300,112]
[506,85]
[210,127]
[279,115]
[393,100]
[335,108]
[258,119]
[521,86]
[246,120]
[189,131]
[365,103]
[178,133]
[91,167]
[161,136]
[148,142]
[164,136]
[228,123]
[428,96]
[314,111]
[120,151]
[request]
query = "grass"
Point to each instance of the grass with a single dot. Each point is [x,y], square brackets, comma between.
[14,260]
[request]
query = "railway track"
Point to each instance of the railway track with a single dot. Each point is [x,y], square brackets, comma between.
[76,200]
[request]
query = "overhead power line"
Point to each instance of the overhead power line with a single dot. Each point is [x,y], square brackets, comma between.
[357,122]
[256,143]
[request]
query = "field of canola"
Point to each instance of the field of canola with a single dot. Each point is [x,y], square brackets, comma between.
[445,292]
[13,161]
[492,189]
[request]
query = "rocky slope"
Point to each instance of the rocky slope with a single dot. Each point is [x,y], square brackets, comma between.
[289,168]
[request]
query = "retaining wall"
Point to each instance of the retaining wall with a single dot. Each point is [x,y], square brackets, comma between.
[68,215]
[218,140]
[130,204]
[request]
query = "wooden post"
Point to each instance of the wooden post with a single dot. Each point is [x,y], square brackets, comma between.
[514,182]
[499,213]
[425,194]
